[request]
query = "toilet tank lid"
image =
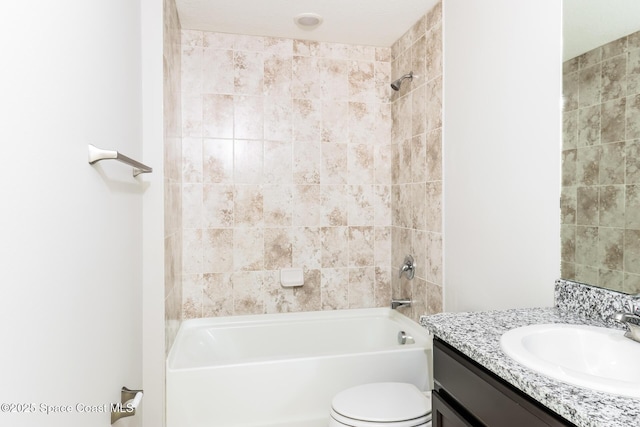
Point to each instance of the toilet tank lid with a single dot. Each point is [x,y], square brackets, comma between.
[382,402]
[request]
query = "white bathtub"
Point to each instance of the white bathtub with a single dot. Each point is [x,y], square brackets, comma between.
[283,369]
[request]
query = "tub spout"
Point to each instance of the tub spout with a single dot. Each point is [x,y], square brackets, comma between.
[399,303]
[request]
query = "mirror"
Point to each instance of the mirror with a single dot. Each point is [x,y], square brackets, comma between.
[600,202]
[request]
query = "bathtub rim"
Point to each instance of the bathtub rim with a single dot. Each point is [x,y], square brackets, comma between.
[421,335]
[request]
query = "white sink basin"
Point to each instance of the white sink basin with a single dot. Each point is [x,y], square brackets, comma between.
[596,358]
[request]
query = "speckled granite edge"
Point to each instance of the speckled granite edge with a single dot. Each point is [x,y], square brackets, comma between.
[478,335]
[589,301]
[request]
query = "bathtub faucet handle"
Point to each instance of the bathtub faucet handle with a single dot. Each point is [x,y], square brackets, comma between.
[408,268]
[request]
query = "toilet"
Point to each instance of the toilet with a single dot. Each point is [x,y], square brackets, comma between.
[388,404]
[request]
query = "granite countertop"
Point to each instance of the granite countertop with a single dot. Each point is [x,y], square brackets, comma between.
[477,335]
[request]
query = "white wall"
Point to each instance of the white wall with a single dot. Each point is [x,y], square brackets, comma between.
[71,237]
[153,259]
[502,140]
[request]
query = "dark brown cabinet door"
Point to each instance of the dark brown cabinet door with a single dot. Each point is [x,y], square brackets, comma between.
[444,415]
[471,395]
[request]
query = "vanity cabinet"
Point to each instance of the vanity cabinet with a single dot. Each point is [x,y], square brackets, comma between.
[468,395]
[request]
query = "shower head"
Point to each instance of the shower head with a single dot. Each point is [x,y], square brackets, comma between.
[396,85]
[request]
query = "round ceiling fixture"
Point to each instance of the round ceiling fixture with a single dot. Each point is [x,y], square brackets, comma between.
[307,21]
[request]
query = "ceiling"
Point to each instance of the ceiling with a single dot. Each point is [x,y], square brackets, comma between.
[588,24]
[363,22]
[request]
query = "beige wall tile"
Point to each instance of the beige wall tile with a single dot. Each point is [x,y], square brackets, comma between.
[217,295]
[333,205]
[434,258]
[306,205]
[360,166]
[248,206]
[278,162]
[218,63]
[278,46]
[307,162]
[248,160]
[382,158]
[303,142]
[632,251]
[589,85]
[278,205]
[382,246]
[568,242]
[334,293]
[308,297]
[334,78]
[569,167]
[335,247]
[278,69]
[632,207]
[192,296]
[191,68]
[587,246]
[382,205]
[276,298]
[188,37]
[307,247]
[632,162]
[278,119]
[174,170]
[419,157]
[360,205]
[192,160]
[333,166]
[361,287]
[191,113]
[335,123]
[248,117]
[277,248]
[361,246]
[587,203]
[217,116]
[611,249]
[192,216]
[611,201]
[589,126]
[217,249]
[217,161]
[217,205]
[248,67]
[612,121]
[600,166]
[248,297]
[192,251]
[633,117]
[434,52]
[248,249]
[434,155]
[434,299]
[382,290]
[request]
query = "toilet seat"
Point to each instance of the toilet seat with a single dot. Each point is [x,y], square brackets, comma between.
[372,405]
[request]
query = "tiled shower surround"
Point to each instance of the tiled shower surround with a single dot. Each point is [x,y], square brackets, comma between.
[601,166]
[417,163]
[299,154]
